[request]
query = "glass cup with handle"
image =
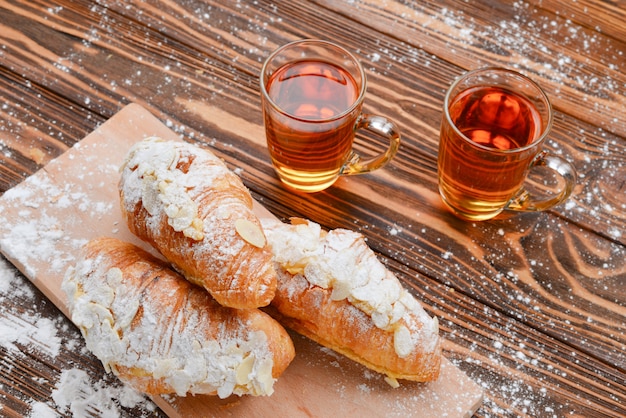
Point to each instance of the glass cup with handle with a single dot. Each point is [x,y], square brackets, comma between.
[494,125]
[312,94]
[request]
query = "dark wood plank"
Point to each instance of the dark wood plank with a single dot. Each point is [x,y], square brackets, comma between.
[536,373]
[574,62]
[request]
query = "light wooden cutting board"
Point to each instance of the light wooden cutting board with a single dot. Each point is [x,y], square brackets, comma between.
[45,220]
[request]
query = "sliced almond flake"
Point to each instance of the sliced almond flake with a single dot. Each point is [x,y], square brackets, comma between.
[392,382]
[242,375]
[250,232]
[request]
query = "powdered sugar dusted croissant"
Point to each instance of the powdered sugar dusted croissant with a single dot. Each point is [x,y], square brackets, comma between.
[185,202]
[334,290]
[161,334]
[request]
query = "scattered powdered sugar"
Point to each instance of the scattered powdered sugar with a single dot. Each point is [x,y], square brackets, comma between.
[76,393]
[29,330]
[26,328]
[530,31]
[33,236]
[41,410]
[11,285]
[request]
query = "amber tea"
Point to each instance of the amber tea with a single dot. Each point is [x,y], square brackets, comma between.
[312,94]
[316,92]
[313,90]
[495,117]
[494,123]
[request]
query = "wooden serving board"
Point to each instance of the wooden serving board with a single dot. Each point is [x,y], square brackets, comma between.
[45,220]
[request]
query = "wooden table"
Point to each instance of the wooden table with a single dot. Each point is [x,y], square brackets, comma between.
[532,307]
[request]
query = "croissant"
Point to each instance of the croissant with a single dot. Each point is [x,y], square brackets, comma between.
[188,205]
[334,290]
[161,334]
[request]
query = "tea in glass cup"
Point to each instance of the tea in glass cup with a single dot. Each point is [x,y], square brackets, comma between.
[494,125]
[312,94]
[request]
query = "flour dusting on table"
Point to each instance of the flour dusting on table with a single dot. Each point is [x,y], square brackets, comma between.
[35,235]
[75,392]
[26,328]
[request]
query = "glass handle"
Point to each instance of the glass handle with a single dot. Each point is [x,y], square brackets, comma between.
[524,201]
[380,126]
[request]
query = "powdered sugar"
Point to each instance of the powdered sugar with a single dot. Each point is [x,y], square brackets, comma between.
[24,328]
[41,410]
[77,394]
[36,234]
[29,329]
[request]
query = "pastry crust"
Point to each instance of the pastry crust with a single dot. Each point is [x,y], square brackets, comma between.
[161,334]
[334,290]
[185,202]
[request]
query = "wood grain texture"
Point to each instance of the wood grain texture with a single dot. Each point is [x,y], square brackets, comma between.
[533,306]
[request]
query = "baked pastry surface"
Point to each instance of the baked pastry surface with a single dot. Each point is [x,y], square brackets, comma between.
[334,290]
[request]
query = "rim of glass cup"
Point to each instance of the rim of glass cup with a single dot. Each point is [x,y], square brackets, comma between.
[513,73]
[341,115]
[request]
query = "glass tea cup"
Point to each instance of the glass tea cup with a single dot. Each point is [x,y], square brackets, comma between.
[312,94]
[494,125]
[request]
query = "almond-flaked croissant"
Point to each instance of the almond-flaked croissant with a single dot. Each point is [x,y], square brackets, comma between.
[187,204]
[334,290]
[161,334]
